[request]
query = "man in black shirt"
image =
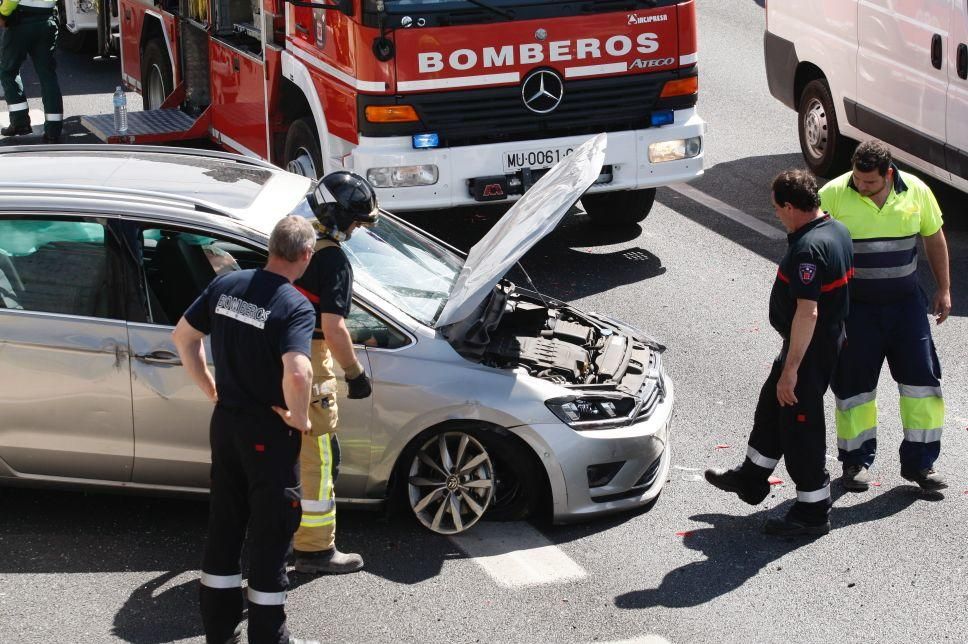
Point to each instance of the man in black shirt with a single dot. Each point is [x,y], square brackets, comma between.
[808,305]
[261,329]
[341,202]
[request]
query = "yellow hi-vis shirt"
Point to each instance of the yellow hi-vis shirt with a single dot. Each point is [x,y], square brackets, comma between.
[885,239]
[7,7]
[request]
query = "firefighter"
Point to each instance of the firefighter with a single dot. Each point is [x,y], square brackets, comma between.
[885,211]
[341,202]
[261,329]
[31,29]
[808,305]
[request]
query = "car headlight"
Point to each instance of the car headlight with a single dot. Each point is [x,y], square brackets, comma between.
[675,150]
[592,412]
[403,176]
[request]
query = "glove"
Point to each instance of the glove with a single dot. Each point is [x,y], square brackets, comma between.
[359,387]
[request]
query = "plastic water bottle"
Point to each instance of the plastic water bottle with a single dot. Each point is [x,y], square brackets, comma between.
[120,111]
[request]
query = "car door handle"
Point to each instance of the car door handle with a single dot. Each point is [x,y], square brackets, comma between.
[963,61]
[159,357]
[936,53]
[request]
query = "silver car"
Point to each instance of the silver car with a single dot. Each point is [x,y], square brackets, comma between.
[487,398]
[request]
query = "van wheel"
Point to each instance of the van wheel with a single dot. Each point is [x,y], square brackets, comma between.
[156,77]
[826,151]
[622,208]
[302,149]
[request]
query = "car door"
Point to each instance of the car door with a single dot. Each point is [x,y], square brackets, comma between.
[957,149]
[902,76]
[65,387]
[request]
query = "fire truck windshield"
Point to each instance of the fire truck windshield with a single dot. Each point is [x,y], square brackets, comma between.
[418,13]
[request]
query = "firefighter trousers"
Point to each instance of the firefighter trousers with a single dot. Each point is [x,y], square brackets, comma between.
[319,459]
[797,433]
[255,490]
[901,333]
[31,32]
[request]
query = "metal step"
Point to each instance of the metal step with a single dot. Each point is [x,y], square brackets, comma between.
[151,126]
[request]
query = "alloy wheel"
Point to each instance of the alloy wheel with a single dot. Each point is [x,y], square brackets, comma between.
[450,482]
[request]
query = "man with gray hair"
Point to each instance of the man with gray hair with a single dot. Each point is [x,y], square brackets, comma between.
[261,329]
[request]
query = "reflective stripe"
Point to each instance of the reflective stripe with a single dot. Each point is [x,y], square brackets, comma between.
[325,468]
[17,107]
[855,443]
[915,391]
[885,246]
[266,599]
[309,505]
[317,522]
[221,581]
[54,117]
[890,272]
[922,435]
[856,420]
[38,4]
[843,404]
[813,497]
[759,459]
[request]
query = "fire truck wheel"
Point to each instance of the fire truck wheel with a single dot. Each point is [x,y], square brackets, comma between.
[302,149]
[621,208]
[77,43]
[826,151]
[156,77]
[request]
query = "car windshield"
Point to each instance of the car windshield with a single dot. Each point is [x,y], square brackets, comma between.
[408,269]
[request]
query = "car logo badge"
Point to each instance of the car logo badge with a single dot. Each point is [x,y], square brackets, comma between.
[541,34]
[542,91]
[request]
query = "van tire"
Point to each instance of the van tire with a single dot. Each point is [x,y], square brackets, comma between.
[620,208]
[826,151]
[156,75]
[302,144]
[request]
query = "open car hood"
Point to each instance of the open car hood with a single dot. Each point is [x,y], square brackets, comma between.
[533,216]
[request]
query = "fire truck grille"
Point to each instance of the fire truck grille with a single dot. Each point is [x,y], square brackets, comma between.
[495,115]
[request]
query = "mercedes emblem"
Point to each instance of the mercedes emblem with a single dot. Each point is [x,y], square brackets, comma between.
[542,91]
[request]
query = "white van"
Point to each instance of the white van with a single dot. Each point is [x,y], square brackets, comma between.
[894,70]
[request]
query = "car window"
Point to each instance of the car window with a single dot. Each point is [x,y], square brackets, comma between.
[370,331]
[65,266]
[177,266]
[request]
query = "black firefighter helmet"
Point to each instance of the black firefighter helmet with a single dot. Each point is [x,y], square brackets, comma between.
[341,199]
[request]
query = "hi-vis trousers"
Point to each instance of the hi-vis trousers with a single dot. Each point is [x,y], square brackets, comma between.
[319,459]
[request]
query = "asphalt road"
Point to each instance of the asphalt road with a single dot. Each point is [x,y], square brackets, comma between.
[695,568]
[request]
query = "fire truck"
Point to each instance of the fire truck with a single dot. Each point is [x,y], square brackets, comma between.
[438,103]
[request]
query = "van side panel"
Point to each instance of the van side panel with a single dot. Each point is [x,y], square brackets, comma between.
[957,148]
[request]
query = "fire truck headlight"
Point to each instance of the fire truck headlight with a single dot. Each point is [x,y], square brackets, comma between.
[675,150]
[404,176]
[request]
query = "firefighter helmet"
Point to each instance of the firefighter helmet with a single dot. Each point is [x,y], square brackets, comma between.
[341,199]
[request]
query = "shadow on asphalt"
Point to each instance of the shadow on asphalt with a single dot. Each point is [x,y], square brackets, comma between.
[723,571]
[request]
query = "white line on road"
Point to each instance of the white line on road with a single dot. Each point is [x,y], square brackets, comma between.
[516,555]
[726,210]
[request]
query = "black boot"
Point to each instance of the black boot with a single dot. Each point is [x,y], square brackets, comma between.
[746,488]
[789,527]
[16,130]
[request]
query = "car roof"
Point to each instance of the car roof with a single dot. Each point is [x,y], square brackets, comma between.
[250,190]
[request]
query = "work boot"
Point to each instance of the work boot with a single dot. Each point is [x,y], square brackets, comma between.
[856,478]
[788,527]
[16,130]
[330,562]
[51,138]
[927,478]
[752,492]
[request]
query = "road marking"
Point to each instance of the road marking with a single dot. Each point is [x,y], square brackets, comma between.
[516,555]
[645,639]
[726,210]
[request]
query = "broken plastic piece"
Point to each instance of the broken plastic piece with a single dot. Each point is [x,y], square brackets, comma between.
[876,483]
[774,481]
[722,446]
[685,533]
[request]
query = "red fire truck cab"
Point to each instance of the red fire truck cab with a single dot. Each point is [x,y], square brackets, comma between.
[439,103]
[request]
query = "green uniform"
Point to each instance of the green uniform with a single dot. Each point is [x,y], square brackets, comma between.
[31,30]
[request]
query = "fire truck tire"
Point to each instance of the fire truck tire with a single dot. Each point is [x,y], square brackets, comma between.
[621,208]
[826,151]
[302,149]
[157,81]
[76,43]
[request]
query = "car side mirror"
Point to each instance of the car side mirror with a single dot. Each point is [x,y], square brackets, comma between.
[343,6]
